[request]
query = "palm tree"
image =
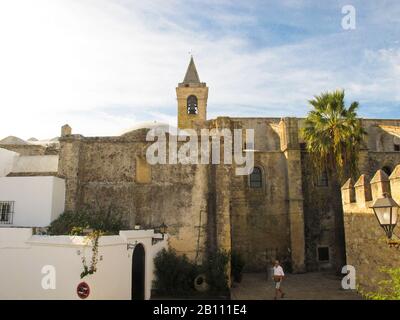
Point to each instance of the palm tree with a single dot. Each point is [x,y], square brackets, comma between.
[334,135]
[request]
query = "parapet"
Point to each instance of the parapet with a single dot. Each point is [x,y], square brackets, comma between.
[358,197]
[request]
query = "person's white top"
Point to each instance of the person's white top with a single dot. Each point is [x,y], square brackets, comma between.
[278,271]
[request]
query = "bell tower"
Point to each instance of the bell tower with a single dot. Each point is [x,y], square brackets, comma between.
[192,99]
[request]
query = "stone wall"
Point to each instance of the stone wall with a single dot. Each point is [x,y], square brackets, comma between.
[319,217]
[267,222]
[101,173]
[203,205]
[376,153]
[209,202]
[31,149]
[366,245]
[260,225]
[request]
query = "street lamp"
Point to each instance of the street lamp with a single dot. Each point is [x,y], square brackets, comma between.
[386,211]
[161,229]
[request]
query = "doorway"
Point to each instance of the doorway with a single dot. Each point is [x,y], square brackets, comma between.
[138,273]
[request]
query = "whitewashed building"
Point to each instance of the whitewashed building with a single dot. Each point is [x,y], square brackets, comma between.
[49,267]
[31,193]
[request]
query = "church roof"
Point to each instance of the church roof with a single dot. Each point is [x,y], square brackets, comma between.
[191,73]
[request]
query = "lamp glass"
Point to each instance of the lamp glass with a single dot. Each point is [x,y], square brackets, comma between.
[383,215]
[395,214]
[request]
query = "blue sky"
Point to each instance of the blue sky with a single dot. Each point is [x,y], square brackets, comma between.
[103,66]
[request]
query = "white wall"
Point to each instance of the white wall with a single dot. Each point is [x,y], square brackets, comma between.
[58,198]
[7,159]
[22,257]
[38,200]
[13,162]
[44,163]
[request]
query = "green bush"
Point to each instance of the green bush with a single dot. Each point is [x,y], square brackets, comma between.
[174,274]
[237,265]
[389,289]
[216,272]
[75,222]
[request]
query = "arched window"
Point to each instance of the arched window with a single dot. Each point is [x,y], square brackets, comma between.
[255,180]
[192,105]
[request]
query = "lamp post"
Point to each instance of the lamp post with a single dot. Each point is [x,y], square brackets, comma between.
[386,212]
[161,229]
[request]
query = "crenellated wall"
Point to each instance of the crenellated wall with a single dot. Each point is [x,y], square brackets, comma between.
[366,245]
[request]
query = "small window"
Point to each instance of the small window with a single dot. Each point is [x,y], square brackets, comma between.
[6,212]
[387,170]
[192,105]
[323,254]
[397,147]
[255,179]
[322,180]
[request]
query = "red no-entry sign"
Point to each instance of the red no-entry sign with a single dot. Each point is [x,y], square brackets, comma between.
[83,290]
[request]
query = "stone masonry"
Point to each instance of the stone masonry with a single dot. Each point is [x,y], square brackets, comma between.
[366,244]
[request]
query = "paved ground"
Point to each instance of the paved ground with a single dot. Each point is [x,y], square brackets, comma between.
[307,286]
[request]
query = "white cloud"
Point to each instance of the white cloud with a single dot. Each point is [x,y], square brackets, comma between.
[103,65]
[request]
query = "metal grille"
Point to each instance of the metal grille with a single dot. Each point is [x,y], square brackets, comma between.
[6,212]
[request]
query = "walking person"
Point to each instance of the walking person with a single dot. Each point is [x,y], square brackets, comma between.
[278,278]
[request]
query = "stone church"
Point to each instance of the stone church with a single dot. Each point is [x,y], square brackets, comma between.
[278,211]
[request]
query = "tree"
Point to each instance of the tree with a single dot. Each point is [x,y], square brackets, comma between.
[334,135]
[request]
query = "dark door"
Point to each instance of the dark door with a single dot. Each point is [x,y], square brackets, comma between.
[138,273]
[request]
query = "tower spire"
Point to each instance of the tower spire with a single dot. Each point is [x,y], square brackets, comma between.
[191,73]
[192,98]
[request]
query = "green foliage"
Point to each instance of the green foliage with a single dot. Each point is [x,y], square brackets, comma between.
[75,222]
[237,265]
[174,274]
[389,289]
[333,134]
[94,237]
[216,271]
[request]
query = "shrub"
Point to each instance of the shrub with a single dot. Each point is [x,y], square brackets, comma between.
[389,289]
[237,265]
[174,274]
[100,223]
[71,222]
[216,272]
